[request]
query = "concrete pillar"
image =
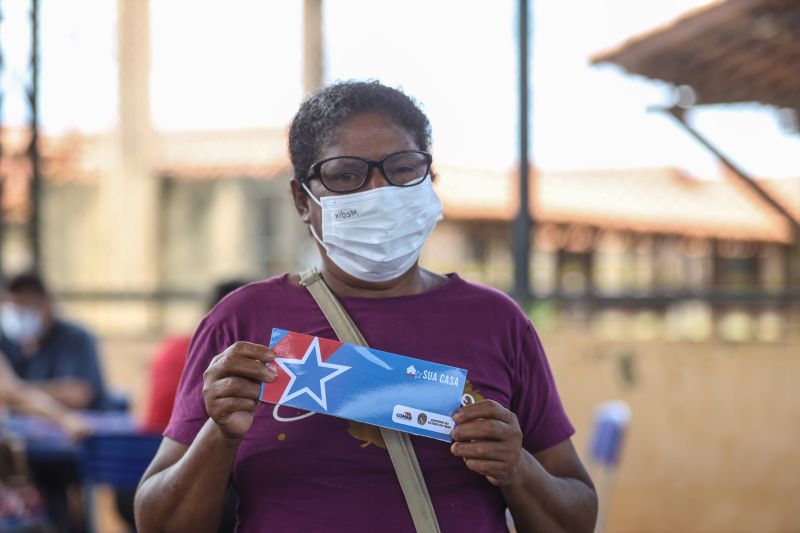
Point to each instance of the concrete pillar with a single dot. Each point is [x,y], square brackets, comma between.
[129,196]
[291,247]
[228,239]
[313,53]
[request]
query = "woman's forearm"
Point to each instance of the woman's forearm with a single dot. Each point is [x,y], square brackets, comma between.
[189,494]
[541,501]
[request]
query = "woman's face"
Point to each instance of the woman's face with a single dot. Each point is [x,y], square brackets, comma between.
[372,136]
[369,136]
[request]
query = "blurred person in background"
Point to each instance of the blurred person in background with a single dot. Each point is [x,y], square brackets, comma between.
[47,351]
[360,151]
[167,365]
[23,398]
[20,502]
[165,374]
[60,359]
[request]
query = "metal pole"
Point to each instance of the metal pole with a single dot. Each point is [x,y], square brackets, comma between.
[33,147]
[521,234]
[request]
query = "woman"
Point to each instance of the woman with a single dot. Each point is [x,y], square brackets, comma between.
[362,183]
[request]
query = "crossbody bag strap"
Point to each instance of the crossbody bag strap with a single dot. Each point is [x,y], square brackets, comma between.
[399,445]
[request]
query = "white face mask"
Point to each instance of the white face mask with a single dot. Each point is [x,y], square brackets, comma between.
[20,324]
[377,235]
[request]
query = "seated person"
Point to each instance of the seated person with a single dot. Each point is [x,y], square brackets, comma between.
[51,479]
[57,356]
[24,399]
[165,374]
[60,359]
[167,366]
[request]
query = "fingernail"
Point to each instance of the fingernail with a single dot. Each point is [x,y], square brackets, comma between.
[271,374]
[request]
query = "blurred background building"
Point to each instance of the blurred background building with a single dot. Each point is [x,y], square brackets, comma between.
[674,289]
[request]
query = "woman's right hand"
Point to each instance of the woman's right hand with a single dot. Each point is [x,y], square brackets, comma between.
[232,385]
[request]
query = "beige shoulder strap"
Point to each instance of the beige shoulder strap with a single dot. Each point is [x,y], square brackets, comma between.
[401,450]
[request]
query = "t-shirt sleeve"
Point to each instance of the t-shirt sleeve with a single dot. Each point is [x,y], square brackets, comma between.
[536,402]
[189,412]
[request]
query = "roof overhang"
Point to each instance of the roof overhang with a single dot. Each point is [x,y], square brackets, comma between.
[727,51]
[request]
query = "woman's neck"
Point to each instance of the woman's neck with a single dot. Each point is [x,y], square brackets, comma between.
[415,281]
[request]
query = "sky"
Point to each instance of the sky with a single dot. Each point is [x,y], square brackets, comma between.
[238,63]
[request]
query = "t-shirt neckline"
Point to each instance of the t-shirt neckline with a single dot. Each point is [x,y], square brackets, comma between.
[453,280]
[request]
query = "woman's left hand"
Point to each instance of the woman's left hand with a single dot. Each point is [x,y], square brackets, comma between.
[487,436]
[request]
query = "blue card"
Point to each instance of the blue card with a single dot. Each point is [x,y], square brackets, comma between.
[364,384]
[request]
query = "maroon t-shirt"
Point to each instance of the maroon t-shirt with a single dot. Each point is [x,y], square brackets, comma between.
[321,473]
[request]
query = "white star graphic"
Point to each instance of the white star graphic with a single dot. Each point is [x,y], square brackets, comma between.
[322,399]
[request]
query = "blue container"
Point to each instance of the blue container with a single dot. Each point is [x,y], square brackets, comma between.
[610,422]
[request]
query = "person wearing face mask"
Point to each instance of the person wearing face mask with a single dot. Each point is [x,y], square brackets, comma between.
[19,498]
[55,355]
[363,184]
[60,360]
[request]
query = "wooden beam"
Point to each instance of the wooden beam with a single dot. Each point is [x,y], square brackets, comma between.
[679,114]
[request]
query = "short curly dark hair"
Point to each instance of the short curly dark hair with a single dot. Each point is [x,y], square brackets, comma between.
[322,113]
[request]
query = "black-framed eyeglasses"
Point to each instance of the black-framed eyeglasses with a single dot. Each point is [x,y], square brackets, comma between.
[349,173]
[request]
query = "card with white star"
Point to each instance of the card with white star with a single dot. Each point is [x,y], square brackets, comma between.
[364,384]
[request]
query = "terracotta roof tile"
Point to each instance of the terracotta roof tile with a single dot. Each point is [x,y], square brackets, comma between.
[645,200]
[727,51]
[257,153]
[786,192]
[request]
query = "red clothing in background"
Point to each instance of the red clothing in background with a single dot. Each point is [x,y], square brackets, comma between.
[165,373]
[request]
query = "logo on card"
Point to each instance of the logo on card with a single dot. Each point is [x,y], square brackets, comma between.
[445,378]
[427,420]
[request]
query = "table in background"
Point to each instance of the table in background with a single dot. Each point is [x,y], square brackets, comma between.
[116,454]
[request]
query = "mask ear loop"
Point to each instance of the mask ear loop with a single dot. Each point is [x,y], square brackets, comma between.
[316,237]
[311,226]
[310,194]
